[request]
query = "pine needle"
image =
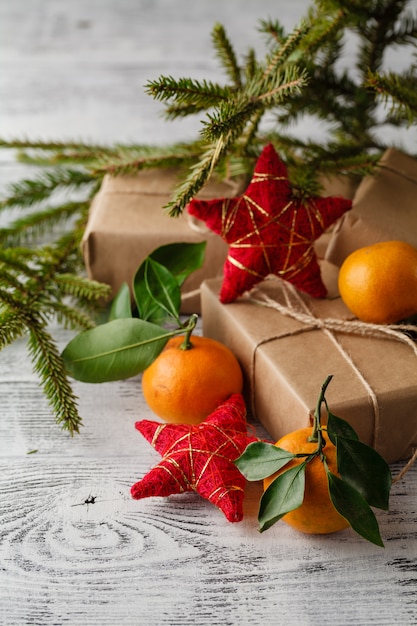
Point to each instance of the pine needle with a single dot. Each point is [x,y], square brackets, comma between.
[49,366]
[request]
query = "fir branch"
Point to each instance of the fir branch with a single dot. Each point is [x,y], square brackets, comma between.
[26,307]
[127,163]
[325,34]
[33,226]
[249,136]
[15,301]
[10,280]
[250,65]
[49,366]
[60,257]
[81,288]
[282,53]
[227,55]
[55,152]
[276,88]
[51,146]
[230,120]
[328,96]
[378,32]
[18,260]
[65,158]
[274,30]
[28,192]
[69,316]
[187,94]
[347,106]
[401,91]
[174,111]
[243,111]
[353,165]
[198,175]
[12,327]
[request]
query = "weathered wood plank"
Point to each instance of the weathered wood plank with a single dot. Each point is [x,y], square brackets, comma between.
[166,561]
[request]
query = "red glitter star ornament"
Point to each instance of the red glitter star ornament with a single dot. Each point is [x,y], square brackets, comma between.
[269,231]
[200,458]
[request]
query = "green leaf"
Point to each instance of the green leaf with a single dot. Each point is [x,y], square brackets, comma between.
[114,351]
[163,287]
[261,459]
[181,259]
[354,508]
[148,308]
[121,306]
[365,470]
[283,495]
[337,427]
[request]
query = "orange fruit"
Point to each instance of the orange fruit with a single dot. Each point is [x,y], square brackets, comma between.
[317,514]
[378,283]
[185,386]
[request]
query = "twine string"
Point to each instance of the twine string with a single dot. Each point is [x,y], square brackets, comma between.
[321,325]
[296,308]
[406,467]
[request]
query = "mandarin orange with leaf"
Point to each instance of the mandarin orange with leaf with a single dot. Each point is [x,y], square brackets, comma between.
[378,283]
[186,384]
[316,515]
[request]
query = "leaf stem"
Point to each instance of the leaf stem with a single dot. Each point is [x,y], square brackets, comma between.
[316,435]
[186,344]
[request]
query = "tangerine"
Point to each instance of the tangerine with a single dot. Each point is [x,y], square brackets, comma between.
[187,385]
[378,283]
[316,515]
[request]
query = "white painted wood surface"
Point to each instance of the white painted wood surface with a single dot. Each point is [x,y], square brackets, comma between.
[76,69]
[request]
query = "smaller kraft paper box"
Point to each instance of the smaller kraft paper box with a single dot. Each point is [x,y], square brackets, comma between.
[384,208]
[288,344]
[127,222]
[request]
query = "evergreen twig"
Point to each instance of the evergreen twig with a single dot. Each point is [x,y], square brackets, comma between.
[29,192]
[227,55]
[400,91]
[131,161]
[33,226]
[48,364]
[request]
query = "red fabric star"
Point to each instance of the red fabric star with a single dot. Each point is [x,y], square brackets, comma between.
[200,458]
[269,231]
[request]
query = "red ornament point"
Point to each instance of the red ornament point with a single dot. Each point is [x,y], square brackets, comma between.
[200,458]
[269,231]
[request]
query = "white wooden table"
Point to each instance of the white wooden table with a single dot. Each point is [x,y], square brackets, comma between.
[76,69]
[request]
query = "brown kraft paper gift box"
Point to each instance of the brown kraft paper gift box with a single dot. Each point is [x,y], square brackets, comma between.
[384,208]
[286,361]
[127,222]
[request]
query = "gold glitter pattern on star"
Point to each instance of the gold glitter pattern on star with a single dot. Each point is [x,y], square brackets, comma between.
[269,231]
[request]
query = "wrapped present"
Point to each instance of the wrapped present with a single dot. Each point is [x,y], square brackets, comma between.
[288,343]
[384,208]
[127,222]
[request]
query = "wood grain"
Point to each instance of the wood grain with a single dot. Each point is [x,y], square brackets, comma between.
[166,561]
[74,547]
